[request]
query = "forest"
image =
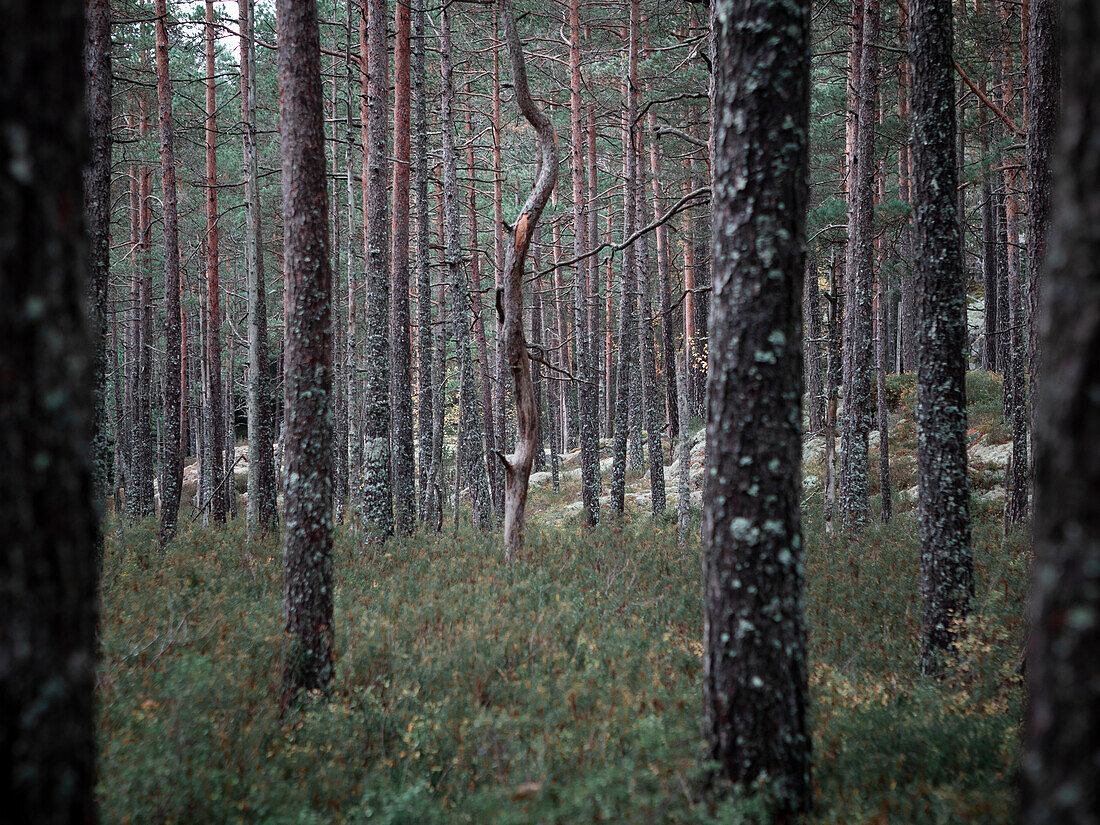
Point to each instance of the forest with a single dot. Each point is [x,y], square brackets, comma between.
[496,411]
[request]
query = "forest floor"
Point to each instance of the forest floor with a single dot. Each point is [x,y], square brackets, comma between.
[563,689]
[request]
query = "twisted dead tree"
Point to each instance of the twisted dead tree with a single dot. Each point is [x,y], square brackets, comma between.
[517,466]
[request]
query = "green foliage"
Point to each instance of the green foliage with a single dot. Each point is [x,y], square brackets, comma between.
[564,689]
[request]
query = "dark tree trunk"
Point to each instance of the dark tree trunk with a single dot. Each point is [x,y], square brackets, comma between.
[586,376]
[144,439]
[377,489]
[308,535]
[947,579]
[262,513]
[471,456]
[404,485]
[664,290]
[815,384]
[171,459]
[48,564]
[859,287]
[1061,763]
[1043,96]
[97,216]
[990,277]
[754,653]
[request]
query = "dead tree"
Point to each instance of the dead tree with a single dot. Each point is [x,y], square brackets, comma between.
[517,466]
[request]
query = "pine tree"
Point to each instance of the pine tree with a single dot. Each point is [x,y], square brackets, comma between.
[754,653]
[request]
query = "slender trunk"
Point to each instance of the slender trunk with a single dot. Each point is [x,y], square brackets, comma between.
[668,329]
[470,458]
[216,426]
[377,474]
[171,459]
[404,485]
[425,383]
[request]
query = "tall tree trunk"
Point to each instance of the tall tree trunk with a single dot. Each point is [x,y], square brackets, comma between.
[144,437]
[215,425]
[990,277]
[947,578]
[586,373]
[308,536]
[1043,96]
[859,287]
[1060,768]
[815,385]
[470,458]
[48,515]
[97,217]
[377,489]
[754,646]
[652,401]
[425,383]
[517,466]
[262,513]
[171,458]
[664,290]
[628,324]
[404,485]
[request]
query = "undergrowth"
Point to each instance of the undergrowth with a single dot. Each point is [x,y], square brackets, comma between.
[563,689]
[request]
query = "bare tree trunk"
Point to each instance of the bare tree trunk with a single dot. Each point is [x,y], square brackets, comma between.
[518,465]
[404,485]
[425,383]
[859,288]
[215,424]
[586,378]
[947,579]
[171,459]
[470,455]
[815,386]
[308,537]
[262,513]
[1060,767]
[97,217]
[48,353]
[754,645]
[377,471]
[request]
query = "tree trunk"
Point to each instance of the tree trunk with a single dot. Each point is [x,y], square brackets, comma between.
[48,353]
[97,217]
[754,647]
[517,466]
[425,384]
[404,485]
[262,513]
[1060,768]
[947,579]
[215,425]
[815,385]
[171,458]
[308,536]
[859,288]
[470,455]
[586,375]
[377,490]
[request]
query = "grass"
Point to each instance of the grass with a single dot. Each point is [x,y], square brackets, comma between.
[565,689]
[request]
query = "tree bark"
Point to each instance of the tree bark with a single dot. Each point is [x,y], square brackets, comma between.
[754,652]
[171,458]
[404,485]
[377,471]
[425,384]
[947,578]
[308,535]
[48,564]
[215,423]
[1060,768]
[470,458]
[517,466]
[262,513]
